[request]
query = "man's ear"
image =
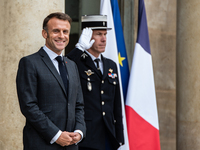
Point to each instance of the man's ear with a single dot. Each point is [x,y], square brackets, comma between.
[44,33]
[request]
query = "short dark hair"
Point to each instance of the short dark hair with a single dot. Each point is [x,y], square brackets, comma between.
[58,15]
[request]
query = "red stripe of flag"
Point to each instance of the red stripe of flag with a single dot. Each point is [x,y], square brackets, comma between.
[141,134]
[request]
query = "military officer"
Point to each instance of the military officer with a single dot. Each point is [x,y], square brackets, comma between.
[100,86]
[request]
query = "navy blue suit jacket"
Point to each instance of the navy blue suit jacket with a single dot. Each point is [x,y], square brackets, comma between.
[44,102]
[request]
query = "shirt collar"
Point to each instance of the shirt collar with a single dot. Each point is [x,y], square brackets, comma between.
[93,58]
[51,53]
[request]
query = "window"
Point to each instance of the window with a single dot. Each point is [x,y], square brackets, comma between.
[75,9]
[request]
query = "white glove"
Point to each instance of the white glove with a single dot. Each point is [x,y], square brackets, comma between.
[85,41]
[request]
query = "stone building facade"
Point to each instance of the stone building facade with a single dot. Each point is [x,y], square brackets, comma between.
[173,33]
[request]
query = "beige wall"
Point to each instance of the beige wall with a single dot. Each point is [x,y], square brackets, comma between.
[20,35]
[161,16]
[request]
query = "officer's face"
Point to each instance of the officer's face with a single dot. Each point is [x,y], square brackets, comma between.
[57,34]
[100,42]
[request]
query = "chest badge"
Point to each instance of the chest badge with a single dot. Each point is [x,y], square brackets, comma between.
[110,70]
[84,55]
[89,72]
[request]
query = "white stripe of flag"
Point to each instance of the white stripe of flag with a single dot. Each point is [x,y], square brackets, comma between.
[112,53]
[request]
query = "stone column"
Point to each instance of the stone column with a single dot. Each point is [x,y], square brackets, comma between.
[188,75]
[20,35]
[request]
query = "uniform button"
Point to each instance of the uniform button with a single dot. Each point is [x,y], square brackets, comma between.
[114,83]
[102,92]
[102,81]
[104,113]
[102,103]
[88,79]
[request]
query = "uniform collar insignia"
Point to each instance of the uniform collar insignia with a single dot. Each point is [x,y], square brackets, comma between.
[84,55]
[89,72]
[111,70]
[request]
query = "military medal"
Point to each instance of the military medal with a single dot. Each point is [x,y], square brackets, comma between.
[112,75]
[89,85]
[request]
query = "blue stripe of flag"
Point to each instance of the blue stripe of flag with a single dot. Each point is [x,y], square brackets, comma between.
[120,46]
[143,35]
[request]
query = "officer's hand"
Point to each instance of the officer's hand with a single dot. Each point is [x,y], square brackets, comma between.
[85,41]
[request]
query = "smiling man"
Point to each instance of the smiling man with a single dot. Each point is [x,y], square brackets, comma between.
[49,92]
[56,32]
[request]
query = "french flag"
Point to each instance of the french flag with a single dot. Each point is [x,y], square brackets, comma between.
[141,107]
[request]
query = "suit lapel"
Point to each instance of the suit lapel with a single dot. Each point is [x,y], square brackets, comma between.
[50,65]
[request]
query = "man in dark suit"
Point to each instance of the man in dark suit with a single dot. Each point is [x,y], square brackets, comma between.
[100,85]
[49,92]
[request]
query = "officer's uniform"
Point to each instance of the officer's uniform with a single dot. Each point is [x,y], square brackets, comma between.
[103,113]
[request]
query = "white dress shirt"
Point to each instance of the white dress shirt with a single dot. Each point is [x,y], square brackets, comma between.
[100,62]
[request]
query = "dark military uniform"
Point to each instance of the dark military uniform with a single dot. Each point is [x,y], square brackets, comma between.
[103,113]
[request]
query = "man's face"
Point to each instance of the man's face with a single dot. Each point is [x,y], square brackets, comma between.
[57,34]
[100,42]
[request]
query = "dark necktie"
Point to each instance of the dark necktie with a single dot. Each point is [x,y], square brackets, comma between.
[63,71]
[97,60]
